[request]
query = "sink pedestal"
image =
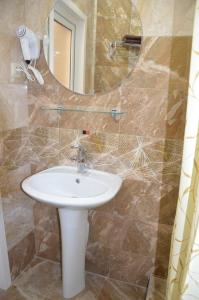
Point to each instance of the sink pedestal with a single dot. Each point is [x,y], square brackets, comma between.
[74,233]
[73,194]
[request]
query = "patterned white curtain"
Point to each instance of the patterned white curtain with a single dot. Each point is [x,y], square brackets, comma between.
[183,278]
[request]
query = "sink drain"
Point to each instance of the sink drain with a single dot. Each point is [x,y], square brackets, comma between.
[77,180]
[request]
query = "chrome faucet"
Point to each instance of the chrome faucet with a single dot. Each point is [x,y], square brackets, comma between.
[80,158]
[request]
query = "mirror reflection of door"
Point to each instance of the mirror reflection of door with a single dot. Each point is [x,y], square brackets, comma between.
[65,43]
[62,53]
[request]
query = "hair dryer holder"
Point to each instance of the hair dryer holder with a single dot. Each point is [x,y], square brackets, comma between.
[30,43]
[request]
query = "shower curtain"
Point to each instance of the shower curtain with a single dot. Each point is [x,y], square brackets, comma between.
[183,277]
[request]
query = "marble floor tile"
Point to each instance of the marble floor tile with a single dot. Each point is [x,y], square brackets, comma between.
[1,292]
[12,294]
[117,290]
[42,281]
[156,289]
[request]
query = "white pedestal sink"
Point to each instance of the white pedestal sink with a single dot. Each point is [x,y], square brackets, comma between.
[73,194]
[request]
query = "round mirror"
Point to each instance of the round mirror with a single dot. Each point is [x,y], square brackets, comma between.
[92,45]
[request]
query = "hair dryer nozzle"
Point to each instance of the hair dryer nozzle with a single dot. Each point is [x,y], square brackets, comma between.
[21,31]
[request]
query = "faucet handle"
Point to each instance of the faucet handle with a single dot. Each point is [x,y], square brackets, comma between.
[75,146]
[73,158]
[79,147]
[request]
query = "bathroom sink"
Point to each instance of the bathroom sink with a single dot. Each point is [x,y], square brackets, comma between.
[64,187]
[73,193]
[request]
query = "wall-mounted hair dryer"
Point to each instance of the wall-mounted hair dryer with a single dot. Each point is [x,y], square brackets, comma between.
[30,43]
[30,46]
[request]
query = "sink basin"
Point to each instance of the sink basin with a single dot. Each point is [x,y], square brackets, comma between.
[64,187]
[73,194]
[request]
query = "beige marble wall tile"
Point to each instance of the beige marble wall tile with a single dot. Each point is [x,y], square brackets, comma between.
[156,289]
[47,232]
[161,266]
[176,113]
[144,103]
[21,255]
[155,160]
[37,99]
[18,216]
[114,237]
[13,106]
[136,269]
[156,53]
[180,63]
[115,9]
[183,17]
[145,201]
[66,140]
[130,156]
[97,259]
[87,121]
[11,18]
[156,16]
[35,14]
[132,268]
[107,29]
[167,111]
[166,18]
[10,53]
[44,143]
[106,76]
[10,179]
[17,207]
[1,149]
[10,48]
[15,148]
